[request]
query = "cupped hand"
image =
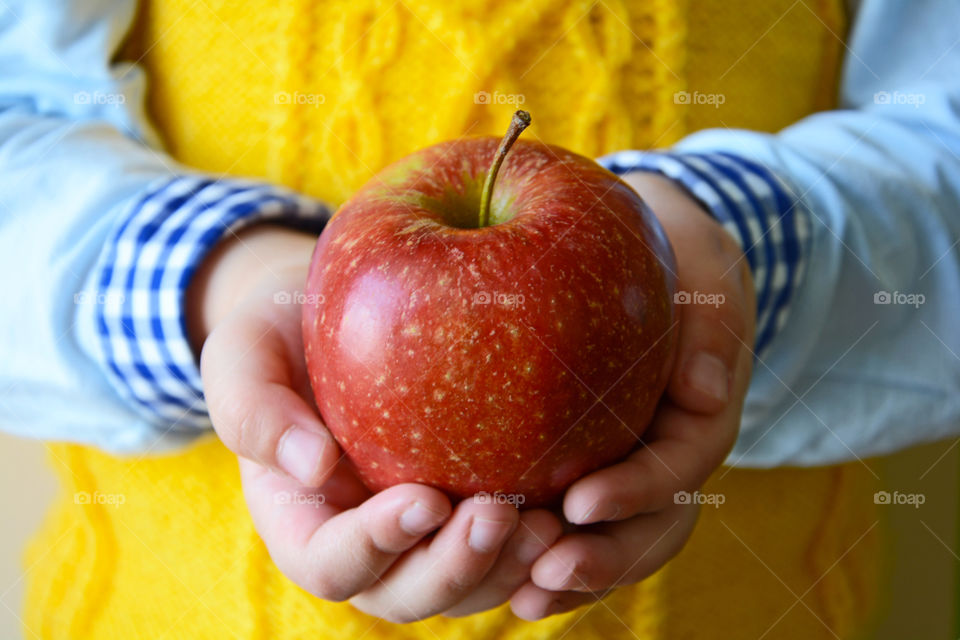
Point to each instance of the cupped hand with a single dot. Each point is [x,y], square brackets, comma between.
[402,554]
[629,518]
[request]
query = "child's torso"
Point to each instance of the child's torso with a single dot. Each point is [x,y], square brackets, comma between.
[319,95]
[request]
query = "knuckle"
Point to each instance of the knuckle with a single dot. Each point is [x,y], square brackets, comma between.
[508,579]
[375,546]
[225,420]
[242,430]
[374,539]
[325,587]
[254,440]
[317,581]
[377,533]
[457,584]
[241,426]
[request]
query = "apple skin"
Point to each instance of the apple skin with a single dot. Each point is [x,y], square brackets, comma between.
[513,358]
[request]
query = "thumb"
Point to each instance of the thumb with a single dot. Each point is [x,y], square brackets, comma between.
[706,356]
[713,329]
[714,297]
[251,367]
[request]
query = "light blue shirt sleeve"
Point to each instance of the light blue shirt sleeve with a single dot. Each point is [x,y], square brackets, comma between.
[74,151]
[868,360]
[100,232]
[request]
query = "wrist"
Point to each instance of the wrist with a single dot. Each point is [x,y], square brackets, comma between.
[256,257]
[681,214]
[657,189]
[695,235]
[754,206]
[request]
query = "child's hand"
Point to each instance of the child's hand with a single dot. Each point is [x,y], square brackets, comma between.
[639,523]
[337,541]
[349,544]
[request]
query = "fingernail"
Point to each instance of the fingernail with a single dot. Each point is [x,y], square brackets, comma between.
[585,516]
[299,453]
[708,374]
[599,513]
[418,519]
[488,535]
[556,576]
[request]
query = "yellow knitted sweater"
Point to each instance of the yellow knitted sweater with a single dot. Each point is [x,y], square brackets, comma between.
[320,94]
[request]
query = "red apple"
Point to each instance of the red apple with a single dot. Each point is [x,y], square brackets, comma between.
[478,339]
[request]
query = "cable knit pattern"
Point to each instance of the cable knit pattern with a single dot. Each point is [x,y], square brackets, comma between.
[143,568]
[319,95]
[344,87]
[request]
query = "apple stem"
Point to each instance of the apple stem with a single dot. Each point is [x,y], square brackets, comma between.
[520,121]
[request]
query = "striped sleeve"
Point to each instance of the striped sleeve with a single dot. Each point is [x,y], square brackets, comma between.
[141,279]
[755,207]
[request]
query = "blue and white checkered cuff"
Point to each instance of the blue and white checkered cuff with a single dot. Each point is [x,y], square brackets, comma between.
[755,207]
[142,276]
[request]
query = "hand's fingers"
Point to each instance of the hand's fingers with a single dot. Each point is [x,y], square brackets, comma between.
[435,576]
[336,554]
[252,366]
[530,602]
[682,450]
[680,460]
[538,529]
[615,553]
[714,322]
[702,378]
[715,288]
